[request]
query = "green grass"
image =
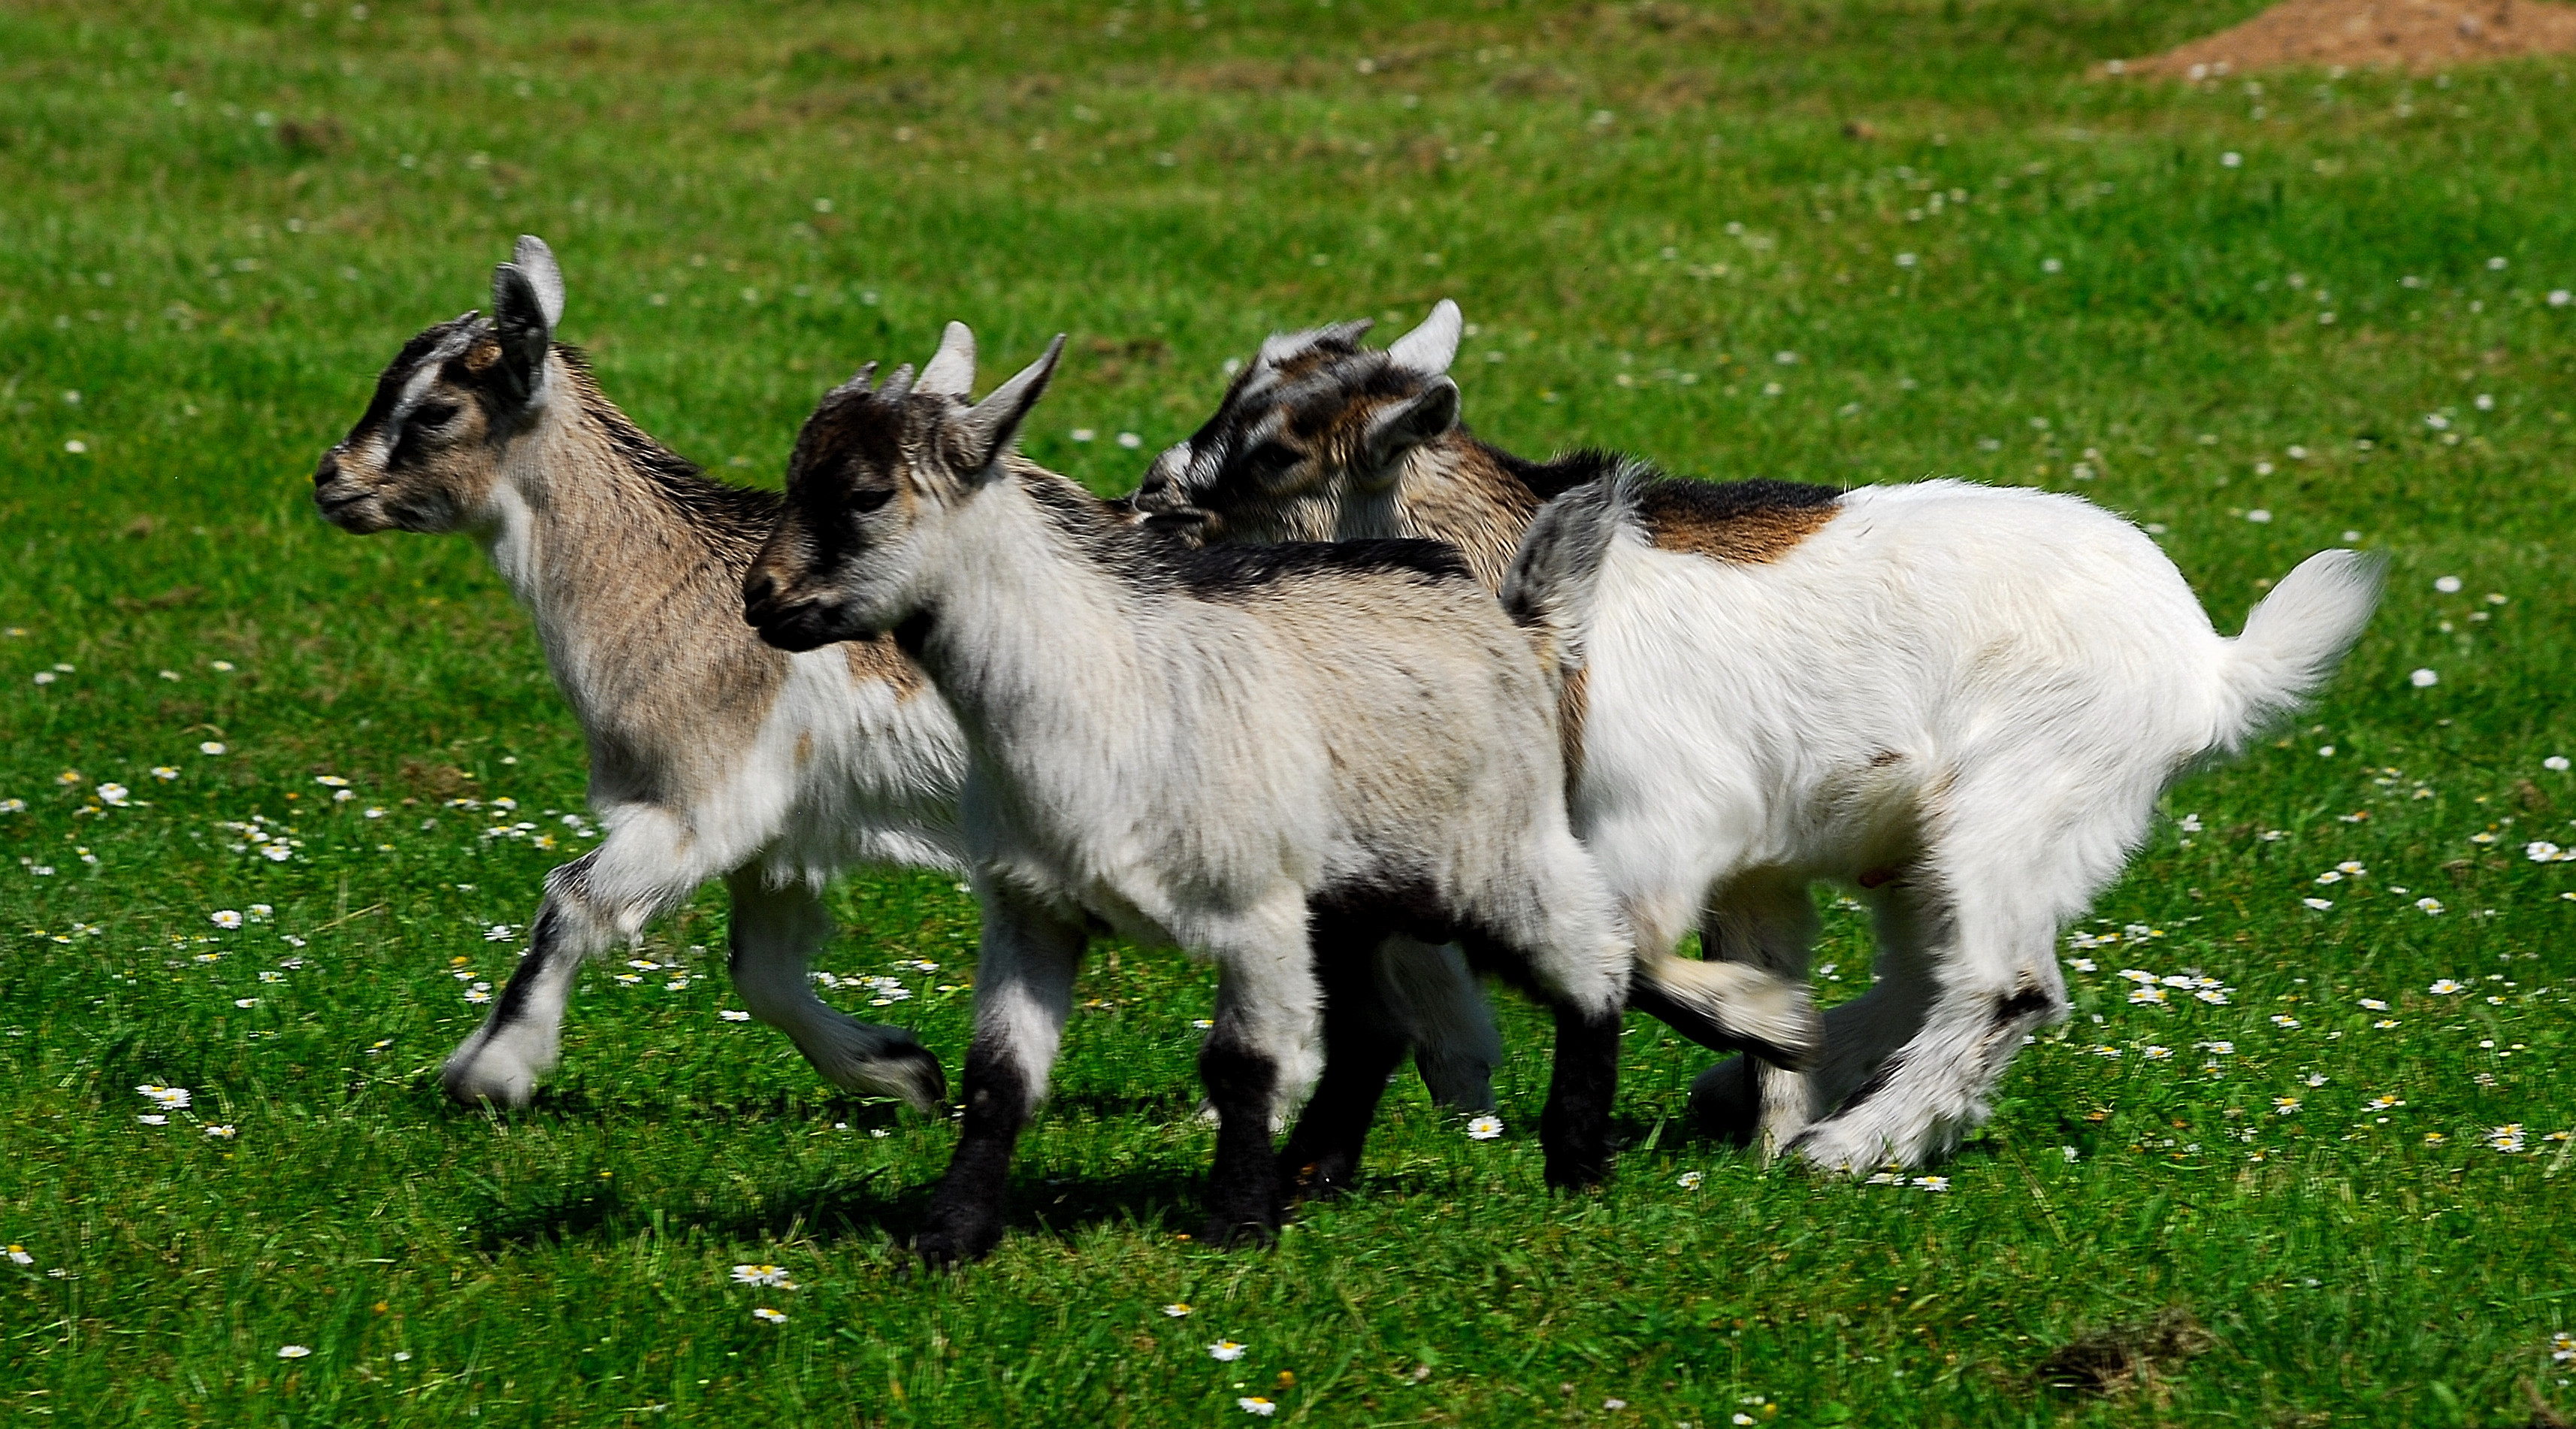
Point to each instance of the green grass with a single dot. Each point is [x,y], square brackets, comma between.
[219,278]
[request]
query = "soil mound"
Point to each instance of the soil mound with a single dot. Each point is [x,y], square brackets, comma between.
[2420,36]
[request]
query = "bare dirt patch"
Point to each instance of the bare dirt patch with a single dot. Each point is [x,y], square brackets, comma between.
[2120,1358]
[2419,36]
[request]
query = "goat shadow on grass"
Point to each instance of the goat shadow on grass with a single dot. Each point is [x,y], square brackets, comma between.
[1152,1200]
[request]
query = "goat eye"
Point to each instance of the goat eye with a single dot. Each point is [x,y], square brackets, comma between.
[868,499]
[1271,458]
[434,414]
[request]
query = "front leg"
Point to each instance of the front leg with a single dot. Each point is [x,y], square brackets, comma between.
[1269,1012]
[1574,1129]
[517,1042]
[774,937]
[1023,991]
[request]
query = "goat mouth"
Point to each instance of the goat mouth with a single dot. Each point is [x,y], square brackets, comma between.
[797,629]
[350,512]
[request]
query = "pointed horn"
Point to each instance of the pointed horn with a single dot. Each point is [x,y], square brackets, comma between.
[899,386]
[858,381]
[1430,348]
[951,370]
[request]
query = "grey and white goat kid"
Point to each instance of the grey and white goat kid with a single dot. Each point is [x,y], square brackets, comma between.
[1965,700]
[1265,757]
[712,754]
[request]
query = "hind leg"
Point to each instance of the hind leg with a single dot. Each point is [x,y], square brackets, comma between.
[1772,926]
[1969,970]
[776,932]
[1364,1041]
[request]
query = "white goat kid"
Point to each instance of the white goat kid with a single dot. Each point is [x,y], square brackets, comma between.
[1266,757]
[1964,699]
[712,754]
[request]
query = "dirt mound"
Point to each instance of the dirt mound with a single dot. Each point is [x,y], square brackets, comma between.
[2416,35]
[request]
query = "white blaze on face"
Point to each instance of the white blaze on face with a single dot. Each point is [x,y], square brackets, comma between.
[416,390]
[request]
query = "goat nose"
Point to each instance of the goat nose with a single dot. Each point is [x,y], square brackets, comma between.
[328,470]
[758,589]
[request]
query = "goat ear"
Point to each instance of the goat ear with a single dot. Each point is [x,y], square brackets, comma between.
[535,259]
[1430,348]
[1426,416]
[520,325]
[988,427]
[951,370]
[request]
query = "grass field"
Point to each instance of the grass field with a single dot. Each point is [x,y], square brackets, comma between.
[1831,240]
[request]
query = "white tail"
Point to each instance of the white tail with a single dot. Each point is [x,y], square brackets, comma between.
[2294,640]
[1753,1008]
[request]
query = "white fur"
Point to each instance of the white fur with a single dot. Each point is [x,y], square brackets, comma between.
[1174,778]
[1181,768]
[1981,691]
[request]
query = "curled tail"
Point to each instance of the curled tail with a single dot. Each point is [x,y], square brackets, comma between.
[2293,641]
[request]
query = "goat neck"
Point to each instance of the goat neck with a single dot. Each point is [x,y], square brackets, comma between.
[1045,580]
[631,564]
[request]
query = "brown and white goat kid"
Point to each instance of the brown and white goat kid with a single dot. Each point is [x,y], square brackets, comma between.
[1963,699]
[712,754]
[1266,757]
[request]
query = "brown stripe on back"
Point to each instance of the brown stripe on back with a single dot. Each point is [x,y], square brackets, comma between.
[877,660]
[1745,522]
[1573,699]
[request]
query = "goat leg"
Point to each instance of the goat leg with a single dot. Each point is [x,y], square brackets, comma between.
[967,1209]
[1362,1046]
[1574,1130]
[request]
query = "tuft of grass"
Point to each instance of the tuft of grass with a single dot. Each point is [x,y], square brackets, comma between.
[1844,240]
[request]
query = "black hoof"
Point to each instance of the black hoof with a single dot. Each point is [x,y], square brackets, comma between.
[1577,1173]
[1323,1178]
[956,1236]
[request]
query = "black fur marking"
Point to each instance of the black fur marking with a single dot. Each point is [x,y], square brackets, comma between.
[966,1211]
[1727,1101]
[567,885]
[1238,572]
[1714,501]
[1362,1048]
[398,373]
[1223,573]
[1878,1082]
[1553,478]
[2028,1002]
[913,635]
[1574,1130]
[1243,1185]
[543,944]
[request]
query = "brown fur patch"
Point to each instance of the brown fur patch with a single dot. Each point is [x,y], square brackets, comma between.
[1573,701]
[1743,522]
[1457,491]
[875,661]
